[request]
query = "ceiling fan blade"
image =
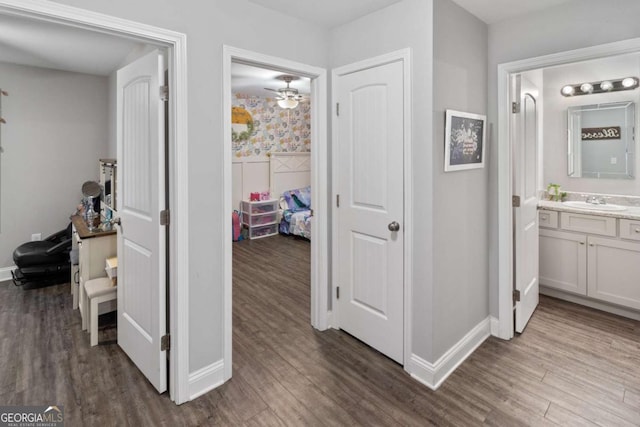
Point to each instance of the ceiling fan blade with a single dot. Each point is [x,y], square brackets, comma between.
[272,90]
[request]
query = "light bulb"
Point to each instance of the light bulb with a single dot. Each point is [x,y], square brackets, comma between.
[629,82]
[568,90]
[288,103]
[586,87]
[606,85]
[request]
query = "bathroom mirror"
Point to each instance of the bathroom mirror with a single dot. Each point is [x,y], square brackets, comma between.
[601,141]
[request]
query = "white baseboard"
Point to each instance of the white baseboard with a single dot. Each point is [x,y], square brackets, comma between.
[206,379]
[433,374]
[5,273]
[495,326]
[599,305]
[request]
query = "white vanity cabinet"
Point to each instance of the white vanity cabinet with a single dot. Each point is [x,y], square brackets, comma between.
[583,254]
[613,271]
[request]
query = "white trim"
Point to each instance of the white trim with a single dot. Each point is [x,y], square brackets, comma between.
[495,326]
[5,273]
[206,379]
[433,374]
[505,226]
[319,243]
[178,169]
[598,305]
[403,55]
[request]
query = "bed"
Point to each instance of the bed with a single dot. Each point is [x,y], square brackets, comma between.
[290,176]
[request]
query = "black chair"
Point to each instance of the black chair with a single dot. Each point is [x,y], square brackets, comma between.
[44,262]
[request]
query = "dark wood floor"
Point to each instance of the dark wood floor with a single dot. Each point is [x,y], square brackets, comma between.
[571,366]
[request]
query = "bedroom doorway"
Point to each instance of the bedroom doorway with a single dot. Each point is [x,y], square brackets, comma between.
[295,119]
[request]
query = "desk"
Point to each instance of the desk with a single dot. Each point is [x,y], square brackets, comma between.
[94,247]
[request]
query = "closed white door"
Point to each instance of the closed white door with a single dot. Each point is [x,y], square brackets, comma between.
[525,184]
[370,141]
[141,197]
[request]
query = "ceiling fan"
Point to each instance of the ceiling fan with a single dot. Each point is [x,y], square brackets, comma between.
[287,97]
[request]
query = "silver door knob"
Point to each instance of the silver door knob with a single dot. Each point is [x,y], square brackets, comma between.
[115,221]
[394,226]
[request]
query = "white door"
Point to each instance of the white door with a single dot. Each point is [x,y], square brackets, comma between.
[370,213]
[525,186]
[141,197]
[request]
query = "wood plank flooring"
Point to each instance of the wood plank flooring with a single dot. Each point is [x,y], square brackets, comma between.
[571,366]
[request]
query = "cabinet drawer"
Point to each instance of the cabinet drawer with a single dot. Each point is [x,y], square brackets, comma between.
[258,232]
[630,229]
[592,224]
[548,219]
[259,219]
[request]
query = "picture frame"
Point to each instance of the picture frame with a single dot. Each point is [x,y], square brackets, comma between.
[465,141]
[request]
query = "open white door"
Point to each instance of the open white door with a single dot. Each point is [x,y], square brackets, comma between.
[370,140]
[141,198]
[525,187]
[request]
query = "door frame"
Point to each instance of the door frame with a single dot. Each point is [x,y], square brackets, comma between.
[319,174]
[503,327]
[404,56]
[175,44]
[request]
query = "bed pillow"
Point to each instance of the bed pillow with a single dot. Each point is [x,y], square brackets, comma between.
[299,198]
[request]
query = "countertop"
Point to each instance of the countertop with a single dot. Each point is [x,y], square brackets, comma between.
[632,212]
[83,230]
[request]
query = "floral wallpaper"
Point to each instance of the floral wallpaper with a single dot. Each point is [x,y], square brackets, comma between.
[274,129]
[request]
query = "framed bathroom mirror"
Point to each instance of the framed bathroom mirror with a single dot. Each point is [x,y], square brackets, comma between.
[601,141]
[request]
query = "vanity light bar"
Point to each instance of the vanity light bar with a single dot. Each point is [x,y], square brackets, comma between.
[628,83]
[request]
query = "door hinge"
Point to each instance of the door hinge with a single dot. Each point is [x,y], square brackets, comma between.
[165,342]
[515,201]
[337,292]
[337,109]
[311,214]
[516,296]
[515,107]
[337,200]
[164,93]
[165,217]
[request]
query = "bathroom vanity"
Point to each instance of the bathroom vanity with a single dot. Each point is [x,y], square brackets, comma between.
[591,255]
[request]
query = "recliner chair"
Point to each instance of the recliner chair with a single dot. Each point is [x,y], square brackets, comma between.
[44,262]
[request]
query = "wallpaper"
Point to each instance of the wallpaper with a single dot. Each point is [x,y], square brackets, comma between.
[274,129]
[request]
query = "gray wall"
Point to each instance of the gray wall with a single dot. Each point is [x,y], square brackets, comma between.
[402,25]
[55,133]
[572,25]
[460,213]
[209,25]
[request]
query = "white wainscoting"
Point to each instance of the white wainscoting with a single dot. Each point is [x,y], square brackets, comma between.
[206,379]
[5,273]
[433,374]
[249,174]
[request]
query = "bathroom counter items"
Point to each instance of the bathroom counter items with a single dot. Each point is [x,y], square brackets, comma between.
[631,212]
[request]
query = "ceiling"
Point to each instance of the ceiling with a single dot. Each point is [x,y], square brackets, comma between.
[47,45]
[492,11]
[327,13]
[252,81]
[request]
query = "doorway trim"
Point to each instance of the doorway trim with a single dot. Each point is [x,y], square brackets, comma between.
[504,327]
[403,56]
[175,43]
[319,167]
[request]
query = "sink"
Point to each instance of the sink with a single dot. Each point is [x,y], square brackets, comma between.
[591,207]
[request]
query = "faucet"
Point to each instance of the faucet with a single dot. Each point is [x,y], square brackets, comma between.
[595,200]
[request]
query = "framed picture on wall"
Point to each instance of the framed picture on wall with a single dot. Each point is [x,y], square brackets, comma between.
[464,141]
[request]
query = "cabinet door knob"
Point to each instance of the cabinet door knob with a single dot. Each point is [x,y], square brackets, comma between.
[582,243]
[637,230]
[591,244]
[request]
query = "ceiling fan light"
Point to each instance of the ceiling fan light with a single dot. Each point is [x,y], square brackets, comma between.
[629,82]
[287,103]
